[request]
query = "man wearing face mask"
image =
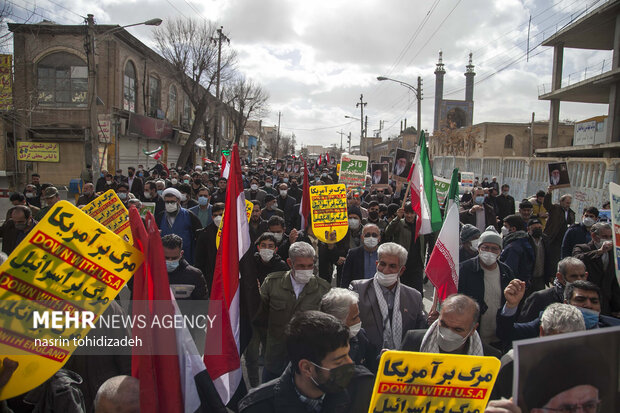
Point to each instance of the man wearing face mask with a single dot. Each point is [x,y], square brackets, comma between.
[542,272]
[271,208]
[401,230]
[582,294]
[186,282]
[178,220]
[481,214]
[283,294]
[454,332]
[320,378]
[569,270]
[517,252]
[203,209]
[206,248]
[484,279]
[361,262]
[579,233]
[15,229]
[268,187]
[505,203]
[151,195]
[598,257]
[470,238]
[186,196]
[49,197]
[561,216]
[262,263]
[286,203]
[220,194]
[254,193]
[373,216]
[388,308]
[344,305]
[134,182]
[122,191]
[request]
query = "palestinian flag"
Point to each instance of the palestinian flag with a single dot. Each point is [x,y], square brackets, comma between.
[423,194]
[155,153]
[443,266]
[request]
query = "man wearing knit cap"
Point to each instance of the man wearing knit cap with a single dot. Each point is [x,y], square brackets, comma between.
[180,221]
[470,238]
[484,279]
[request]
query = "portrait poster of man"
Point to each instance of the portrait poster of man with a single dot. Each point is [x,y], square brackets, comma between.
[402,164]
[387,160]
[279,165]
[558,175]
[379,175]
[289,167]
[296,167]
[568,372]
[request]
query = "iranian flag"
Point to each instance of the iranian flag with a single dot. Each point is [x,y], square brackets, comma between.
[443,266]
[304,205]
[423,194]
[155,153]
[223,354]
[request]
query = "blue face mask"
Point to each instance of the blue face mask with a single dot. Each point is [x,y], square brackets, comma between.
[285,180]
[479,200]
[160,191]
[203,200]
[590,317]
[172,265]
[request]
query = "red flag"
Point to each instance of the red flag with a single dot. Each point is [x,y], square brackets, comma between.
[304,205]
[159,375]
[327,158]
[225,168]
[224,365]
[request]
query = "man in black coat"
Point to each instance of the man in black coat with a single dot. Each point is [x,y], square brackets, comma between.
[598,257]
[318,345]
[505,203]
[150,195]
[361,262]
[186,282]
[570,269]
[206,249]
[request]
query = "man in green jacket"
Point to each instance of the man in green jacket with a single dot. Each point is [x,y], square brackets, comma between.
[283,294]
[401,230]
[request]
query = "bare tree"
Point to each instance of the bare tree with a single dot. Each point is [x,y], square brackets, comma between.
[244,99]
[188,45]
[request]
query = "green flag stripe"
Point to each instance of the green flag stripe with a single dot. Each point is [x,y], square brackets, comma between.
[429,185]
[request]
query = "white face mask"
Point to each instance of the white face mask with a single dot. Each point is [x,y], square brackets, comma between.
[278,236]
[303,276]
[183,197]
[147,195]
[170,208]
[354,329]
[448,340]
[354,223]
[174,181]
[371,242]
[253,187]
[266,254]
[588,221]
[217,220]
[283,193]
[505,231]
[475,243]
[386,280]
[108,182]
[488,258]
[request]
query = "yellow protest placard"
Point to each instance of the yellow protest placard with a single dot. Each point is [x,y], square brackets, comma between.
[328,204]
[249,206]
[433,383]
[38,152]
[109,211]
[68,263]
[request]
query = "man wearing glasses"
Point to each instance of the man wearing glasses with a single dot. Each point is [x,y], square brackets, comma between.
[361,261]
[484,279]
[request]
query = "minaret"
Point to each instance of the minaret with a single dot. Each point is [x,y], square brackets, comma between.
[469,81]
[439,73]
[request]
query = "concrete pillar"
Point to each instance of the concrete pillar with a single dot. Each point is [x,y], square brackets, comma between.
[613,116]
[556,83]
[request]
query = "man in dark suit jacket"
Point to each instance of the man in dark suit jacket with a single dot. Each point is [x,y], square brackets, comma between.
[560,218]
[136,186]
[598,257]
[480,210]
[361,261]
[398,307]
[453,332]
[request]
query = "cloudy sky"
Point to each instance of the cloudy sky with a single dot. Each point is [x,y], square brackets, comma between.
[316,57]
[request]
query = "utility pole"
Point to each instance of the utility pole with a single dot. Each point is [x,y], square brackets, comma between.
[91,147]
[361,105]
[349,140]
[419,96]
[532,136]
[278,136]
[216,125]
[340,133]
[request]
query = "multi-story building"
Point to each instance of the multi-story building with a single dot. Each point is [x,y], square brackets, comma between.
[140,107]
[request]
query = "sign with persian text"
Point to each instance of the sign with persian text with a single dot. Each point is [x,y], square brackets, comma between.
[109,211]
[328,206]
[38,152]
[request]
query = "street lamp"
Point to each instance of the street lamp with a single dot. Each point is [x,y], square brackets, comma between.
[92,147]
[351,117]
[417,91]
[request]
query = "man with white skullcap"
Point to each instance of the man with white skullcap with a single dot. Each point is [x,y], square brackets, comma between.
[180,221]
